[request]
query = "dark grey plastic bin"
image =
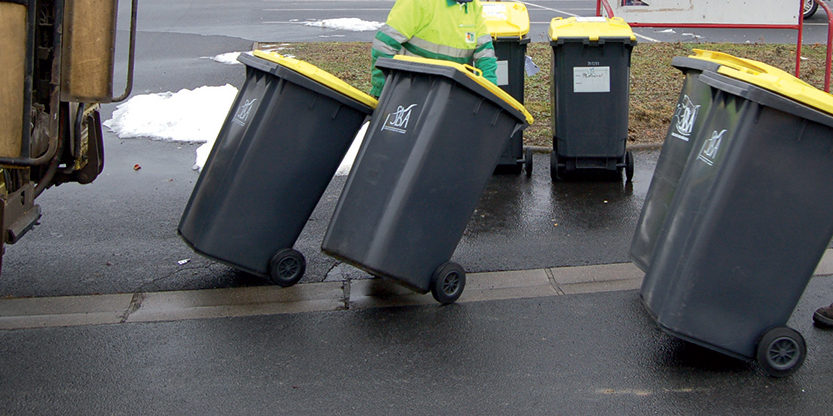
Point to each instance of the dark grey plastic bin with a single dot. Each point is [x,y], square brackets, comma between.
[748,224]
[429,152]
[590,92]
[512,50]
[692,108]
[280,145]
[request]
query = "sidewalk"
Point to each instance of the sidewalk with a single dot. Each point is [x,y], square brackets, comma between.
[44,312]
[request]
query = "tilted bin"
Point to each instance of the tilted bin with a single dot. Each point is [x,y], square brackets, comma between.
[429,152]
[692,107]
[590,89]
[508,23]
[750,218]
[283,140]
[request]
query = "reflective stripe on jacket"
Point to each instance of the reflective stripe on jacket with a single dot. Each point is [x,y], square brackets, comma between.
[438,29]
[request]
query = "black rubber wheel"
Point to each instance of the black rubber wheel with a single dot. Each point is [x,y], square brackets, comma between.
[448,282]
[287,267]
[781,351]
[528,162]
[628,166]
[810,7]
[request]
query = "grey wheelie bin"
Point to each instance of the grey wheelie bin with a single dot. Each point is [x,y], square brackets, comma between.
[508,23]
[693,105]
[590,89]
[430,149]
[750,218]
[285,135]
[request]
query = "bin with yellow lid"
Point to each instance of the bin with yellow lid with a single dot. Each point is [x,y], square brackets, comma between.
[283,139]
[508,23]
[590,89]
[430,149]
[693,105]
[749,218]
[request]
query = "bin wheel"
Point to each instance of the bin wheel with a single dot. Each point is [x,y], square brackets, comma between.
[555,171]
[528,162]
[287,267]
[628,166]
[781,351]
[448,282]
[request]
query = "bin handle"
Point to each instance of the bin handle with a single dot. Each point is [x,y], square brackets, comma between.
[475,71]
[729,61]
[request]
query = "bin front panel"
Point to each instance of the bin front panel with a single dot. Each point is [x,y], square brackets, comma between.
[589,95]
[690,113]
[750,222]
[427,155]
[277,151]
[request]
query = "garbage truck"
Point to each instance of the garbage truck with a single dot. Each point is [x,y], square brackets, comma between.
[57,59]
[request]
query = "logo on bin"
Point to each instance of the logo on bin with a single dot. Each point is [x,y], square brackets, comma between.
[710,147]
[686,114]
[242,114]
[397,121]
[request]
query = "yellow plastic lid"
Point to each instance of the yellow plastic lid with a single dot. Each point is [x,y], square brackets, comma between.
[769,78]
[506,19]
[318,75]
[592,28]
[477,76]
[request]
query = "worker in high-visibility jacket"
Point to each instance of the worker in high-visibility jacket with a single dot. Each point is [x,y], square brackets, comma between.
[452,30]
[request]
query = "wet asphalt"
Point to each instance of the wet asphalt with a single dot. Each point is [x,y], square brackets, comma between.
[118,234]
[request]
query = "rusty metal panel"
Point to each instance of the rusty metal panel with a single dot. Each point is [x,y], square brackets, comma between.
[12,76]
[88,50]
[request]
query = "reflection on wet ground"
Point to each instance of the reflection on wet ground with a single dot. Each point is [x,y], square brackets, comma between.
[523,223]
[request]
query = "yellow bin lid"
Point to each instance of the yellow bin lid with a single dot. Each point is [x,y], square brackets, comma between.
[477,76]
[592,28]
[506,19]
[768,78]
[318,75]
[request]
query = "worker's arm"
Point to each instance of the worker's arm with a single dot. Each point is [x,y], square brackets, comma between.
[402,23]
[484,55]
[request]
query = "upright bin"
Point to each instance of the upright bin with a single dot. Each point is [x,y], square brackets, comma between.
[429,151]
[508,23]
[282,142]
[693,106]
[591,58]
[750,218]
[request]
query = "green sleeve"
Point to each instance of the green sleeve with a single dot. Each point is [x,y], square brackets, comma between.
[484,56]
[403,21]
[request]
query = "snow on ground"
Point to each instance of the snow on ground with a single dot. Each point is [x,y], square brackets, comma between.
[184,116]
[188,116]
[230,58]
[347,23]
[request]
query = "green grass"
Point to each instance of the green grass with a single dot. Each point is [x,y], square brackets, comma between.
[655,84]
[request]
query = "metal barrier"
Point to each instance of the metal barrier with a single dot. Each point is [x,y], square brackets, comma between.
[604,6]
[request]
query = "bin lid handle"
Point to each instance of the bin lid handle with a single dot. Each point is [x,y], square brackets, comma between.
[318,75]
[474,74]
[476,71]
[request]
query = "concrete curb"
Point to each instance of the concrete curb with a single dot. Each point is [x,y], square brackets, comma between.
[64,311]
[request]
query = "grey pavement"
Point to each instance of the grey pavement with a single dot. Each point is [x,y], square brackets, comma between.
[593,353]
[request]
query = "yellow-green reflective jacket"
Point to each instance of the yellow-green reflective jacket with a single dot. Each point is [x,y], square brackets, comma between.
[438,29]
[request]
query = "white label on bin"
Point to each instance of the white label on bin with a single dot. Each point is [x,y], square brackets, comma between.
[591,79]
[686,115]
[397,121]
[502,72]
[708,152]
